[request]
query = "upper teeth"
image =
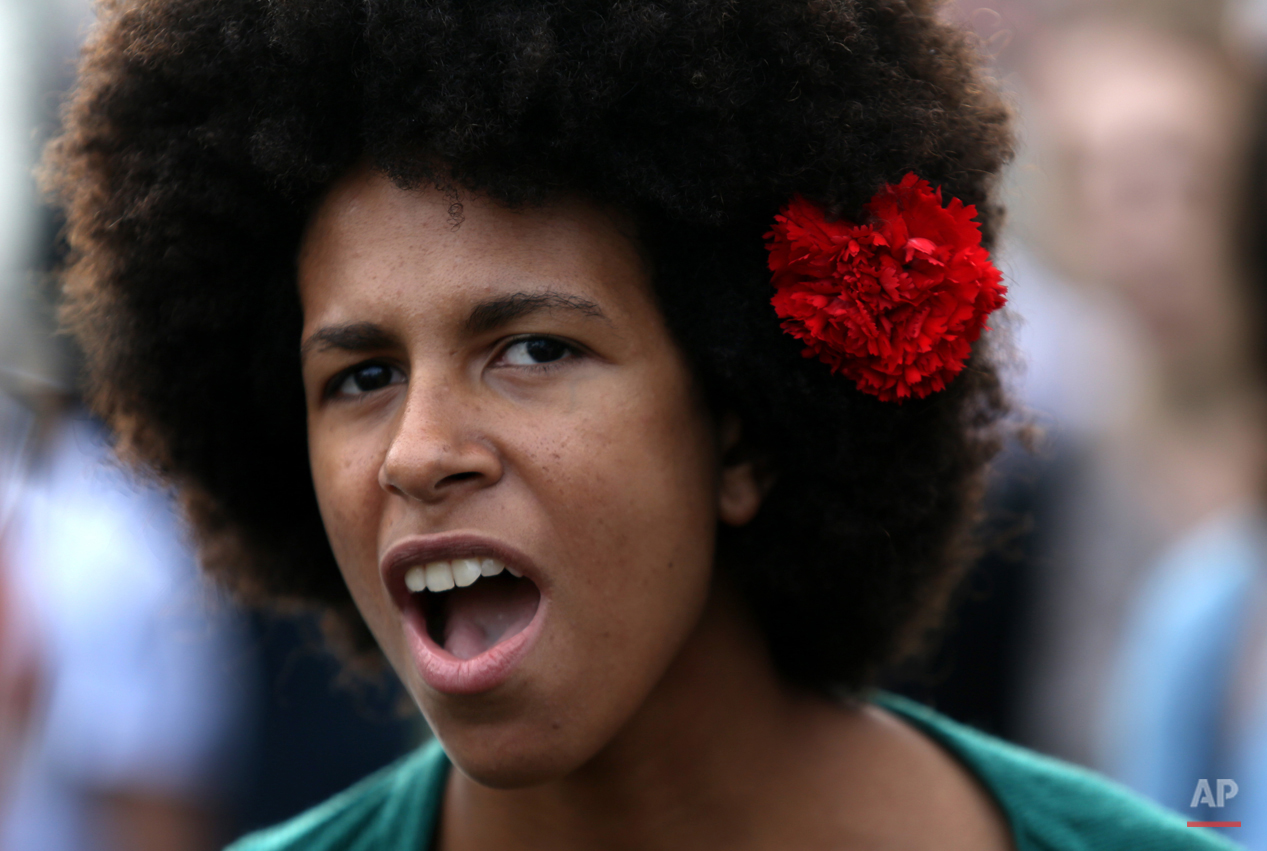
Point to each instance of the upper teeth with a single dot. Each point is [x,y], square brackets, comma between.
[443,575]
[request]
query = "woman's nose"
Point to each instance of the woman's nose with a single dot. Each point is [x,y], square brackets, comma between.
[436,452]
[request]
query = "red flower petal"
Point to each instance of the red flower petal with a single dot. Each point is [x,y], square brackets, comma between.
[895,304]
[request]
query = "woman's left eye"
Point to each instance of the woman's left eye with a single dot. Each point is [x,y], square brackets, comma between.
[534,351]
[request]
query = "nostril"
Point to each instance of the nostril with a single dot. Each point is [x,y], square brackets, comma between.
[456,478]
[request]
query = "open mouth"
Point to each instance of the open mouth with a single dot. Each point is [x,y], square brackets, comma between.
[471,605]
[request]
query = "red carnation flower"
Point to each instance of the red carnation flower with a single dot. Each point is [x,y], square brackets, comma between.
[895,304]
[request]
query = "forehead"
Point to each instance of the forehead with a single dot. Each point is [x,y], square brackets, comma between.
[371,244]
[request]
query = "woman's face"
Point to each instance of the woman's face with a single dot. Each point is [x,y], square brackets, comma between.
[503,393]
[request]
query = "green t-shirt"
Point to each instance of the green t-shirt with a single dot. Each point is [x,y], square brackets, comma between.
[1050,805]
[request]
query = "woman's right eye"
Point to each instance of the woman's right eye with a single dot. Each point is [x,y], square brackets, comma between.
[366,379]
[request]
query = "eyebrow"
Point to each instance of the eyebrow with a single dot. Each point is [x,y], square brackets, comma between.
[485,316]
[354,337]
[499,311]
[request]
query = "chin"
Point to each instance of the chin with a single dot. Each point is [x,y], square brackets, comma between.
[515,756]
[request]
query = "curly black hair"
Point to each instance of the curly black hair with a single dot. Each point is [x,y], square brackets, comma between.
[202,133]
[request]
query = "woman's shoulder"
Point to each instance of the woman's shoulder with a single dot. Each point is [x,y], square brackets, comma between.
[394,808]
[1055,806]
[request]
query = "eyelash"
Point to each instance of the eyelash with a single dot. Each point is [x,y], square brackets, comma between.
[571,351]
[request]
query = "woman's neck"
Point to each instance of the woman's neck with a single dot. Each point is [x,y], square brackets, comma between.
[725,754]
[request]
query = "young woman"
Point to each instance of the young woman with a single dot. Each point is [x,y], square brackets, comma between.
[631,343]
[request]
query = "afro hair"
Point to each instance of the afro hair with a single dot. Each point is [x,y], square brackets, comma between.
[202,133]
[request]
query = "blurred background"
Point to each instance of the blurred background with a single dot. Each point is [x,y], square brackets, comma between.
[1118,618]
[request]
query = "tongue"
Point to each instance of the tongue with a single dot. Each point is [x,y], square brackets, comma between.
[478,617]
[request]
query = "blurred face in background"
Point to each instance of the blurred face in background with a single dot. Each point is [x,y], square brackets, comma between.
[1140,140]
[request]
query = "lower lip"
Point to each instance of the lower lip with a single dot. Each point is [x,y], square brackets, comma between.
[448,674]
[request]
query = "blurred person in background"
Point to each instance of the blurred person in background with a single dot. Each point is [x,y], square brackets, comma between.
[136,734]
[1137,137]
[1189,699]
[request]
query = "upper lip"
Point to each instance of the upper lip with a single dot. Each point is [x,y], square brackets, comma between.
[424,549]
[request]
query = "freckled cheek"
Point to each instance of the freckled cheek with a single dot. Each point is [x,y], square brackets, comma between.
[633,497]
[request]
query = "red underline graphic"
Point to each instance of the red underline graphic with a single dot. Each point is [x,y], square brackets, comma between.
[1214,824]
